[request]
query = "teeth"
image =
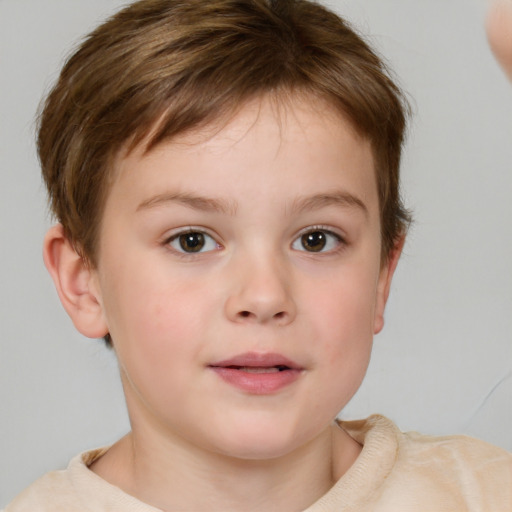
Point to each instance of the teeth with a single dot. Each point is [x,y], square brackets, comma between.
[252,369]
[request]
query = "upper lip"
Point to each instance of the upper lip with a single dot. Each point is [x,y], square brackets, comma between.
[257,360]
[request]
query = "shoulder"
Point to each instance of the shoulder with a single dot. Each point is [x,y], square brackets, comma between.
[467,472]
[53,491]
[437,472]
[76,489]
[61,491]
[457,454]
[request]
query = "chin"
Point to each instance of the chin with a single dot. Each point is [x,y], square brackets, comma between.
[258,440]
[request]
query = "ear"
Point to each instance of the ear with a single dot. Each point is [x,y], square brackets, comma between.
[75,282]
[384,284]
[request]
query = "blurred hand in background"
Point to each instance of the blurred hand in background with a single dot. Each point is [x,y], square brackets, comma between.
[499,33]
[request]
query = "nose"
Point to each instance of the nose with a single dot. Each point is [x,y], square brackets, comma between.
[260,293]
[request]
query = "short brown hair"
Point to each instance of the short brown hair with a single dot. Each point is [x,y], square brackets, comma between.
[161,67]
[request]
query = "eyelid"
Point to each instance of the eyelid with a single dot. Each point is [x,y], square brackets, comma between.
[322,227]
[177,232]
[329,230]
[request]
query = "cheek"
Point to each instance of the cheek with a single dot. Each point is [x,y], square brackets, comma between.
[155,323]
[153,302]
[343,314]
[344,308]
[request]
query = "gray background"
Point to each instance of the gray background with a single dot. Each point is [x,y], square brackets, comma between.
[444,361]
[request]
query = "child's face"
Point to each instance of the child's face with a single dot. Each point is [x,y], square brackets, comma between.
[256,245]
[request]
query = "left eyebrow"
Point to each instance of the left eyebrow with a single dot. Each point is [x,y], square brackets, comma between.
[338,198]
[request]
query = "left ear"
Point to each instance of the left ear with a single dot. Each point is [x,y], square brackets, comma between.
[384,284]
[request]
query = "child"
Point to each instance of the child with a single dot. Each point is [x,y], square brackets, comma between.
[225,176]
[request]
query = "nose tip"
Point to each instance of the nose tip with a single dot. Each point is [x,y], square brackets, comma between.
[261,296]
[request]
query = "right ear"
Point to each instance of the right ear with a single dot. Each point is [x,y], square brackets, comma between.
[76,283]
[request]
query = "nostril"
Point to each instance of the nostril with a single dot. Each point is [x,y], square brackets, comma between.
[249,315]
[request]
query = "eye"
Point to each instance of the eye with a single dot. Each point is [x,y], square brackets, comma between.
[317,240]
[193,242]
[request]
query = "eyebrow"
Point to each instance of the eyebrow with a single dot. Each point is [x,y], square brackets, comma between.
[206,204]
[338,198]
[299,205]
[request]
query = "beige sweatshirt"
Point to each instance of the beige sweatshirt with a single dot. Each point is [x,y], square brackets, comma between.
[395,472]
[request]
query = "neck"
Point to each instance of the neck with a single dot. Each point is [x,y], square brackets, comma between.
[173,475]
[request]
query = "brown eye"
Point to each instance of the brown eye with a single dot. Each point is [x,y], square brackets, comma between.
[318,240]
[314,241]
[191,242]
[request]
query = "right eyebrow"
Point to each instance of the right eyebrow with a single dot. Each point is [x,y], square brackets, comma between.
[207,204]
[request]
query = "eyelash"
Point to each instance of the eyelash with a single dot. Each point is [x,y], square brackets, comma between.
[338,240]
[190,230]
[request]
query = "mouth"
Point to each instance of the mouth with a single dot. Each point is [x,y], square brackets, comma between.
[255,362]
[260,369]
[257,373]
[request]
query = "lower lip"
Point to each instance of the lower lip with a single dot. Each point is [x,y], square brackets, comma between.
[257,383]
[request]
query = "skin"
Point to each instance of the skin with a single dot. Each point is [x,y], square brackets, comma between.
[499,33]
[198,442]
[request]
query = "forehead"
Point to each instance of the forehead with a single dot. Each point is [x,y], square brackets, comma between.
[270,146]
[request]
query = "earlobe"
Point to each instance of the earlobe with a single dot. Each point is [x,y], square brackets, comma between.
[384,284]
[75,283]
